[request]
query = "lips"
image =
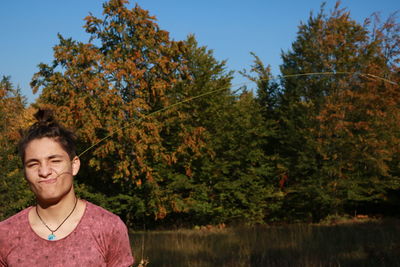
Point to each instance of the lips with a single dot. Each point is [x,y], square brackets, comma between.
[48,181]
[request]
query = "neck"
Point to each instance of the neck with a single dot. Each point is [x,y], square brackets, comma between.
[54,210]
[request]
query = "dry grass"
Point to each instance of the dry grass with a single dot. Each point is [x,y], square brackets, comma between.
[372,243]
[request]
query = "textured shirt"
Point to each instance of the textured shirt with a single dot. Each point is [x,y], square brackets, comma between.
[100,239]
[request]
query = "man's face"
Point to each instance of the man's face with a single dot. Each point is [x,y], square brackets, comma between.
[49,170]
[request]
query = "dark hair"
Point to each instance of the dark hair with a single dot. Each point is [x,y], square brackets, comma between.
[47,126]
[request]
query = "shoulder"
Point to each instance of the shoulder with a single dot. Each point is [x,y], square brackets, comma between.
[100,213]
[103,217]
[103,225]
[110,233]
[14,222]
[12,229]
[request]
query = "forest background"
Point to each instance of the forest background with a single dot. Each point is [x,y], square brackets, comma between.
[167,140]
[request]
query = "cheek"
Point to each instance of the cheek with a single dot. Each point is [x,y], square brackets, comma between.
[28,176]
[31,183]
[60,169]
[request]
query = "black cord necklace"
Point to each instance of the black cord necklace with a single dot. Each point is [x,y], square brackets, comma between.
[52,236]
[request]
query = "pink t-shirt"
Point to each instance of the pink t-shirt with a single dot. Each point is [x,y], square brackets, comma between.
[100,239]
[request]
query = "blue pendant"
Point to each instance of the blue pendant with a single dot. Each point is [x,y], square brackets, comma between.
[51,237]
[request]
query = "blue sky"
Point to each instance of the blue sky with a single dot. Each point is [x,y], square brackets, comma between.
[231,28]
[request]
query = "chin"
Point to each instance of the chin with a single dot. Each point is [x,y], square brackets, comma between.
[52,196]
[48,200]
[51,199]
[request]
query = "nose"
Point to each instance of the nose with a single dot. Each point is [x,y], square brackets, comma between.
[45,170]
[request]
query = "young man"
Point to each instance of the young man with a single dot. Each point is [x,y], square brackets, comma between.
[61,230]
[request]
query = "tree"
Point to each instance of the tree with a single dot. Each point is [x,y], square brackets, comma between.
[187,183]
[364,117]
[227,182]
[106,89]
[124,89]
[14,191]
[268,99]
[336,119]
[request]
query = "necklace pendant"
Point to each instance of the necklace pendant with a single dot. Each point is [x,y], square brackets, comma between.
[51,237]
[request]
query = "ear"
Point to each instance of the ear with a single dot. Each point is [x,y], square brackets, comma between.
[76,164]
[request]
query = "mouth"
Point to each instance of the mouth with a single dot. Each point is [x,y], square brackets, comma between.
[48,181]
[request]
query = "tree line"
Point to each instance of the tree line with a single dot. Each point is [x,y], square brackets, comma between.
[166,140]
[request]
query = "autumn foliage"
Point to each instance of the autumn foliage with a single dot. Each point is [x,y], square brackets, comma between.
[165,138]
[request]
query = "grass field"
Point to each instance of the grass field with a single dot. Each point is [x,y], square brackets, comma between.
[371,243]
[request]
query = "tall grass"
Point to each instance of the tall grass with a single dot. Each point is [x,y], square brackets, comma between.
[374,243]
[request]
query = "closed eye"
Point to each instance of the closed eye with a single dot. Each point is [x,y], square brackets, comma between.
[31,165]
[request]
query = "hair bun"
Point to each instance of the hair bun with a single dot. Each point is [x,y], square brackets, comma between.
[44,116]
